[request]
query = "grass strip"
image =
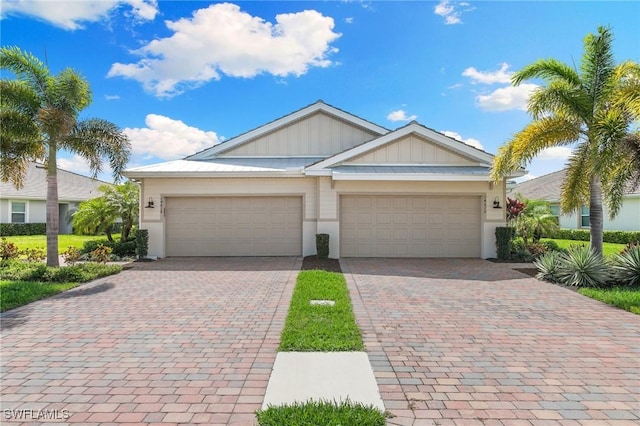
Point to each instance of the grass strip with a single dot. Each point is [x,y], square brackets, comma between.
[608,249]
[64,241]
[18,293]
[320,328]
[321,413]
[627,298]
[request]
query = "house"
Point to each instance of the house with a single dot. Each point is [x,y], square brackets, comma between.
[549,188]
[410,192]
[29,204]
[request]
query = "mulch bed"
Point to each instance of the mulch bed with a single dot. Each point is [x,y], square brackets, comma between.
[313,262]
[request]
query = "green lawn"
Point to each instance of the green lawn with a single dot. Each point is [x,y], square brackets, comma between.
[321,413]
[608,249]
[627,298]
[320,328]
[64,241]
[18,293]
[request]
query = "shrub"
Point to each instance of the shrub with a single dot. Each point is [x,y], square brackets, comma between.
[536,249]
[22,271]
[142,243]
[11,229]
[504,237]
[91,245]
[581,267]
[618,237]
[626,267]
[551,245]
[74,274]
[72,255]
[102,254]
[548,265]
[8,250]
[34,254]
[322,245]
[124,249]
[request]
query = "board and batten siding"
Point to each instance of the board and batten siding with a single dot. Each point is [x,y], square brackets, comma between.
[319,134]
[411,149]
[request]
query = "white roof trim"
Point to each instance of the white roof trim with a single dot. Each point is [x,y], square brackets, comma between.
[283,121]
[193,174]
[439,138]
[409,177]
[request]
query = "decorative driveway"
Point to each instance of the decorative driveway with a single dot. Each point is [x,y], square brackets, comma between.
[174,341]
[469,342]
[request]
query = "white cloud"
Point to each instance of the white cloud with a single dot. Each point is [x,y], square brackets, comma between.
[451,11]
[169,139]
[70,15]
[112,97]
[400,115]
[79,165]
[222,39]
[348,20]
[470,141]
[555,153]
[489,77]
[507,98]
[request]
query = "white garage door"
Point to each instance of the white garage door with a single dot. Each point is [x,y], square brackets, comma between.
[234,226]
[409,226]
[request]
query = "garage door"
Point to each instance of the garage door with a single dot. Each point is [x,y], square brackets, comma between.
[234,226]
[409,226]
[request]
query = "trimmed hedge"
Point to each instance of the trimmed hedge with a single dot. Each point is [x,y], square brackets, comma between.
[120,249]
[618,237]
[504,241]
[11,229]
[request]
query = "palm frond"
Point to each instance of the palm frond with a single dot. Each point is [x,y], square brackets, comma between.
[20,143]
[18,96]
[560,98]
[575,188]
[627,75]
[597,65]
[70,92]
[95,139]
[26,67]
[549,70]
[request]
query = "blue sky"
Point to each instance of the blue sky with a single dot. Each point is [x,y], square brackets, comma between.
[180,76]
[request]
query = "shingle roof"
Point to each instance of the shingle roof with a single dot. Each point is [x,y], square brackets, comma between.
[549,187]
[71,186]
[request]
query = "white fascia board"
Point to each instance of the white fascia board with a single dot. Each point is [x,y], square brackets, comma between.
[409,177]
[460,147]
[311,109]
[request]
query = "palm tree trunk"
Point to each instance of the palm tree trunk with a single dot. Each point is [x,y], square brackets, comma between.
[595,214]
[53,225]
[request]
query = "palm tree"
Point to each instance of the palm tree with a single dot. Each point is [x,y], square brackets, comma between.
[39,115]
[535,220]
[591,109]
[124,199]
[95,216]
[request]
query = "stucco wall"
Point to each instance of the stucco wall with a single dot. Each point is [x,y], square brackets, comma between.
[628,219]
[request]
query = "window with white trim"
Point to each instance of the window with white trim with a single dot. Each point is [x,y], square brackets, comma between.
[555,211]
[584,217]
[18,212]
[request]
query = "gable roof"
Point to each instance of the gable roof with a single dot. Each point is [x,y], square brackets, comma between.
[474,154]
[309,110]
[71,186]
[549,187]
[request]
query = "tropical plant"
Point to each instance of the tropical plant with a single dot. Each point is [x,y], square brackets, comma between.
[8,250]
[514,208]
[124,199]
[102,254]
[582,267]
[535,220]
[626,267]
[95,216]
[592,110]
[548,265]
[39,115]
[72,255]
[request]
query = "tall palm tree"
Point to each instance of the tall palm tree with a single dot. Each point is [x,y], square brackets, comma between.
[39,115]
[591,109]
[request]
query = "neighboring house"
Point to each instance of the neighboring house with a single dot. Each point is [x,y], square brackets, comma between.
[549,188]
[29,204]
[410,192]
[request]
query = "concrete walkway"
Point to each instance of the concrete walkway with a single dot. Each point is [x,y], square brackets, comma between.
[173,341]
[469,342]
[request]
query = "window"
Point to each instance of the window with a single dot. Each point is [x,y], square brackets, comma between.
[584,217]
[555,211]
[18,212]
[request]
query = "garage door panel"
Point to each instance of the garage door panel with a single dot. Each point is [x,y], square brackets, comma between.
[410,226]
[234,226]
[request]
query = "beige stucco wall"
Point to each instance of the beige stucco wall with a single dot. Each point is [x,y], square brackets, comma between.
[320,202]
[411,149]
[319,134]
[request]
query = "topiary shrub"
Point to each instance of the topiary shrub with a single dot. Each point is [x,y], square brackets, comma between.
[504,238]
[581,267]
[142,243]
[322,245]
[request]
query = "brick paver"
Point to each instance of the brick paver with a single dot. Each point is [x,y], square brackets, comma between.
[173,341]
[466,342]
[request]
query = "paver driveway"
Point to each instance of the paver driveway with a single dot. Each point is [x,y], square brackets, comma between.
[174,341]
[470,342]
